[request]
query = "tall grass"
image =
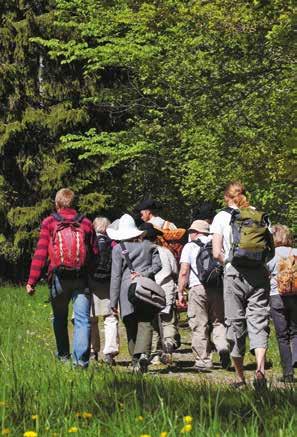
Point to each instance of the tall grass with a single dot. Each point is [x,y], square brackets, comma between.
[119,404]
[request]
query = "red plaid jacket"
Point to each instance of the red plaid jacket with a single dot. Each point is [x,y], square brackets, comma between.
[40,256]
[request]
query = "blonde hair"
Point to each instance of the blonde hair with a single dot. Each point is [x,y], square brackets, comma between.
[64,198]
[100,224]
[282,236]
[235,192]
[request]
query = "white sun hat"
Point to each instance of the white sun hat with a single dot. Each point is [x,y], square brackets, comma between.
[123,229]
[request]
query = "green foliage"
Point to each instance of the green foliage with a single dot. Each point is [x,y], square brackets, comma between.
[127,99]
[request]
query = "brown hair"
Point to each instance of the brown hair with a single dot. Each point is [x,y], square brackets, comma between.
[235,192]
[64,198]
[282,236]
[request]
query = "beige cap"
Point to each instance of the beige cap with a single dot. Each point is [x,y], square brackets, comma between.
[200,226]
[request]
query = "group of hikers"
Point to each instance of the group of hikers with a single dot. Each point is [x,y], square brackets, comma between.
[231,271]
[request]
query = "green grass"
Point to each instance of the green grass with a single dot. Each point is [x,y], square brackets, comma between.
[121,404]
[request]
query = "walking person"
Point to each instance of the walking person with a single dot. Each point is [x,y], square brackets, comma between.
[283,307]
[168,340]
[205,303]
[242,243]
[99,284]
[68,239]
[146,262]
[148,214]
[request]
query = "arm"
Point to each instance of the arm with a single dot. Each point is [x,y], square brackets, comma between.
[183,279]
[116,278]
[39,258]
[217,248]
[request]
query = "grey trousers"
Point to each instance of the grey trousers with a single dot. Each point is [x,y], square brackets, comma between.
[205,310]
[246,294]
[139,330]
[170,332]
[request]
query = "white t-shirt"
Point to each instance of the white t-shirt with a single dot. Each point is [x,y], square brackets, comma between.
[221,226]
[159,223]
[189,255]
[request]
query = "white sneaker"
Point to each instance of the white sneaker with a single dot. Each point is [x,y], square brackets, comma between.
[201,365]
[156,360]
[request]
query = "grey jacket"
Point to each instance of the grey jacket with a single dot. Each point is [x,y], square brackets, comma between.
[145,260]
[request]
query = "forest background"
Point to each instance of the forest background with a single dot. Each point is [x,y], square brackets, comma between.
[127,99]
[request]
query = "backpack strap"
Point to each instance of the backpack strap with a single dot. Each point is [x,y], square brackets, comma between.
[198,243]
[57,217]
[126,255]
[78,218]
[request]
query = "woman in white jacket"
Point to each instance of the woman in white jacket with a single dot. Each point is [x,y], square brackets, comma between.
[169,340]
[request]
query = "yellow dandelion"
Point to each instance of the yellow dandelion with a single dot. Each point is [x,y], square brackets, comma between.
[187,419]
[2,403]
[164,434]
[30,434]
[87,415]
[139,418]
[73,429]
[186,428]
[5,431]
[34,417]
[145,435]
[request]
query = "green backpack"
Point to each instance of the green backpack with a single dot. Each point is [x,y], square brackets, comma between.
[252,241]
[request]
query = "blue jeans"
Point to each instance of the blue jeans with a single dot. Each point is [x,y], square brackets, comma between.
[77,291]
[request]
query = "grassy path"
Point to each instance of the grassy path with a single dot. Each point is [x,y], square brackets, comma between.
[40,395]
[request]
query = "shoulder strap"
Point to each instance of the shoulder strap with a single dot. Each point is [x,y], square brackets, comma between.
[228,209]
[57,216]
[126,255]
[199,243]
[79,218]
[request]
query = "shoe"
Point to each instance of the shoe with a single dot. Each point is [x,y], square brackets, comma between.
[289,379]
[64,358]
[108,359]
[201,365]
[237,384]
[225,359]
[143,363]
[166,358]
[155,361]
[260,382]
[94,356]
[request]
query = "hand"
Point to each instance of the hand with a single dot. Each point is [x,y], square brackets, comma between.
[115,311]
[30,290]
[134,275]
[181,299]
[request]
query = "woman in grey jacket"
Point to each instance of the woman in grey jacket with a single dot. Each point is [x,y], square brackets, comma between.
[146,262]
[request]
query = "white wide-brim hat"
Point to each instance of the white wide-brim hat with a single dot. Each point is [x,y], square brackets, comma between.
[123,229]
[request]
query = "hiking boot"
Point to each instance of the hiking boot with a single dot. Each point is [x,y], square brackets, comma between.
[166,358]
[225,359]
[108,359]
[143,363]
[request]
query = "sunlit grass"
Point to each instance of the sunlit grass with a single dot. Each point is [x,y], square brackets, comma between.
[42,396]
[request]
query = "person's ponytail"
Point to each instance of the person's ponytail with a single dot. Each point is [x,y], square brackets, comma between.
[235,192]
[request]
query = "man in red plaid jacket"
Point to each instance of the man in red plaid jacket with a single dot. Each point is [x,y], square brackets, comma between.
[65,288]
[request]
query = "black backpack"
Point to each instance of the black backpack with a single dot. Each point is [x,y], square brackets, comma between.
[102,267]
[209,271]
